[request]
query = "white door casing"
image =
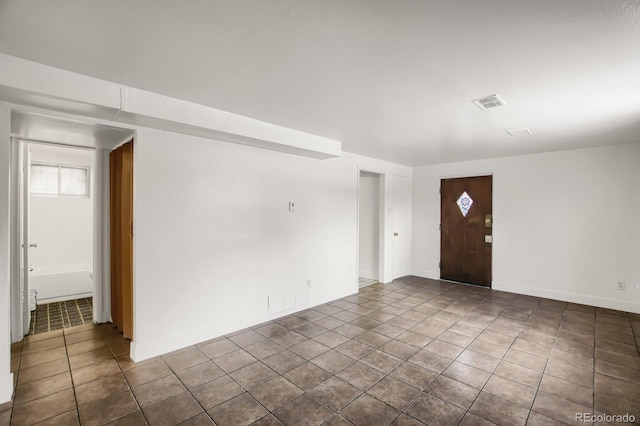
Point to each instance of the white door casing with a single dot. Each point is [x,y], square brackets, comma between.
[25,245]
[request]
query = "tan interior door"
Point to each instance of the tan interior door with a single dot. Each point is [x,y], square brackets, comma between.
[121,209]
[466,222]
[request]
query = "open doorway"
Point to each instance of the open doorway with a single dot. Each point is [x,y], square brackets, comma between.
[68,162]
[369,228]
[59,228]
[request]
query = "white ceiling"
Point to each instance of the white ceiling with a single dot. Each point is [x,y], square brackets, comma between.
[42,128]
[390,79]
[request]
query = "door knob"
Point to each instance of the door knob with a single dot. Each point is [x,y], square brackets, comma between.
[33,245]
[395,234]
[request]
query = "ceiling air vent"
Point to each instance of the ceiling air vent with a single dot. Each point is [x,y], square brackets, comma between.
[519,132]
[489,102]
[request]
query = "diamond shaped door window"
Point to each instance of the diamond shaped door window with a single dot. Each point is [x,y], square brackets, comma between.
[464,202]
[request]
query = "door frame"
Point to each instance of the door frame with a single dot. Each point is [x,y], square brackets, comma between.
[101,218]
[17,299]
[457,176]
[386,221]
[121,234]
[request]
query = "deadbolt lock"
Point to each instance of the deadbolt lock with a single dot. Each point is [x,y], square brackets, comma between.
[488,220]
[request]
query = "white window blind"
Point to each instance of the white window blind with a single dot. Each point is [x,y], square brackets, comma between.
[51,179]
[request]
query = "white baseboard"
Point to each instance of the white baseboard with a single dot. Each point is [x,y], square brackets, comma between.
[145,350]
[61,269]
[602,302]
[65,298]
[6,388]
[565,296]
[424,273]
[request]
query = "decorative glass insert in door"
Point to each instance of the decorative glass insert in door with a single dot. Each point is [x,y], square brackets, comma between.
[464,202]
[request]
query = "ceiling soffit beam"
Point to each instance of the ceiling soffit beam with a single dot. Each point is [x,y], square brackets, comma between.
[29,83]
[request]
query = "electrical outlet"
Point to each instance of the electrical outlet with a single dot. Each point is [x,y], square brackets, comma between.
[621,285]
[308,283]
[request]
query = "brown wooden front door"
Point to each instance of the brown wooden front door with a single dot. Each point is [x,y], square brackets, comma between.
[121,211]
[465,215]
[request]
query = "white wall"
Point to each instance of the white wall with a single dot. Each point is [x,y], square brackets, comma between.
[369,225]
[565,223]
[62,227]
[214,237]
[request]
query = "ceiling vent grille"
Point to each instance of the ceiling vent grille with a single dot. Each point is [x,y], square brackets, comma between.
[520,132]
[487,102]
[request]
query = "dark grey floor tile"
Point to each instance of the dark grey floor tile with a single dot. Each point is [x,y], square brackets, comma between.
[355,350]
[558,408]
[246,338]
[423,346]
[307,375]
[275,393]
[381,361]
[43,408]
[616,387]
[498,410]
[303,410]
[414,375]
[147,372]
[216,392]
[158,390]
[335,393]
[241,410]
[174,410]
[452,391]
[430,361]
[434,411]
[186,358]
[366,411]
[360,375]
[253,375]
[466,374]
[331,339]
[394,392]
[108,409]
[510,391]
[234,360]
[518,373]
[332,361]
[582,395]
[283,361]
[200,374]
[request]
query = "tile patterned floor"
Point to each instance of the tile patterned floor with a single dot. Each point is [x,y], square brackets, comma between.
[54,316]
[411,352]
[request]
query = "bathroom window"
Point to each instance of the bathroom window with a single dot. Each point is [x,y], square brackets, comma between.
[58,180]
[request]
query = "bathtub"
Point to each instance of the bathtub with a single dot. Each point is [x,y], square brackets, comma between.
[60,283]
